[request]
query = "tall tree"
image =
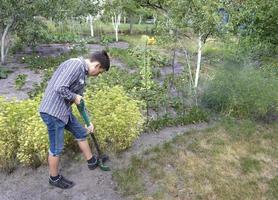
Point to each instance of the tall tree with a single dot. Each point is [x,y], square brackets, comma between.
[114,8]
[200,15]
[89,8]
[16,15]
[256,23]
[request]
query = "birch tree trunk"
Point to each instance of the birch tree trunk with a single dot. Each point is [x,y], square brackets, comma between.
[4,51]
[154,18]
[140,20]
[116,20]
[199,56]
[91,25]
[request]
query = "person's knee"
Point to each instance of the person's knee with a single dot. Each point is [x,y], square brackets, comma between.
[56,151]
[80,134]
[81,137]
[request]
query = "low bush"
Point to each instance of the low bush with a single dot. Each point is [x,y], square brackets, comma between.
[243,93]
[106,39]
[4,72]
[33,142]
[116,117]
[20,81]
[23,137]
[192,116]
[269,66]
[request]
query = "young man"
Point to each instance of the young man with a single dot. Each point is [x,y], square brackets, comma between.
[65,88]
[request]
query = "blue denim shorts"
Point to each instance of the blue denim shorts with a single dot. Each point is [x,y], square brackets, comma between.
[56,128]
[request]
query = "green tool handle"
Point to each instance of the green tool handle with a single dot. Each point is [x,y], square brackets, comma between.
[82,110]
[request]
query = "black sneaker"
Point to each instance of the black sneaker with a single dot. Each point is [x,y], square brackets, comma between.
[61,182]
[93,163]
[104,158]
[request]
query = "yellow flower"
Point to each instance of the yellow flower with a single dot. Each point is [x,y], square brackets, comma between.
[151,40]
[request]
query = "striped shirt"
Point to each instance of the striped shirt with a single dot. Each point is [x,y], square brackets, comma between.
[67,81]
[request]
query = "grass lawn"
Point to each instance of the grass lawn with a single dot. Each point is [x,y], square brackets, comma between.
[234,160]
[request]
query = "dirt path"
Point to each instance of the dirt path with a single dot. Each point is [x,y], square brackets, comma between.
[32,184]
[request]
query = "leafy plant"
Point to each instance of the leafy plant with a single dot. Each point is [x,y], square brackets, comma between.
[116,117]
[106,39]
[156,58]
[21,134]
[20,81]
[33,140]
[121,54]
[193,115]
[33,33]
[4,72]
[63,37]
[244,94]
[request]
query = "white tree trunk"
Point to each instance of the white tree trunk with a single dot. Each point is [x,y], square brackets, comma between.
[154,18]
[124,20]
[91,25]
[116,20]
[199,56]
[3,52]
[140,20]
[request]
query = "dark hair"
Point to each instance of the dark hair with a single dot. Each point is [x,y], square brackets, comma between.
[103,58]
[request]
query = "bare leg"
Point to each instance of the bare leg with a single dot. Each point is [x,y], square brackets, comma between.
[53,162]
[85,148]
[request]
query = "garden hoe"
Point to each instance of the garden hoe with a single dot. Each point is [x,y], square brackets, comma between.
[101,157]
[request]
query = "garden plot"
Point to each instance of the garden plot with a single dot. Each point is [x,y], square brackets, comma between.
[27,77]
[27,183]
[8,86]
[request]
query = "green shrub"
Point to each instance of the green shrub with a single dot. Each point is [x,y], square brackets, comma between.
[269,66]
[106,39]
[33,33]
[156,59]
[116,76]
[20,81]
[8,134]
[12,120]
[63,37]
[192,116]
[33,142]
[4,72]
[243,94]
[23,136]
[116,117]
[121,54]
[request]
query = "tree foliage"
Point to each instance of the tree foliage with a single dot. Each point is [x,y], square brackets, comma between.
[255,22]
[16,16]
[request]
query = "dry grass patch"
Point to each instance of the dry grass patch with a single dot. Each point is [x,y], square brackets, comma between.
[227,162]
